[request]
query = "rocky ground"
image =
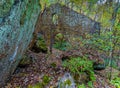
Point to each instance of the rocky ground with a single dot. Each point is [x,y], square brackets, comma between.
[45,72]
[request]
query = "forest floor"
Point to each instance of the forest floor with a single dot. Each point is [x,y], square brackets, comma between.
[40,67]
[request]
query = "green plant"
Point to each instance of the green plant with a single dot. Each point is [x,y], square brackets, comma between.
[41,44]
[38,44]
[38,85]
[25,61]
[61,45]
[53,64]
[46,79]
[90,84]
[79,65]
[116,82]
[82,86]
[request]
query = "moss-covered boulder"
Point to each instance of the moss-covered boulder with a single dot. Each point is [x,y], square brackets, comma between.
[17,24]
[99,66]
[5,7]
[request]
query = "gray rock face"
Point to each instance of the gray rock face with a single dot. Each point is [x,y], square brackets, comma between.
[68,20]
[17,23]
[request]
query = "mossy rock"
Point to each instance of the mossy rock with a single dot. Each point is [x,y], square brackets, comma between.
[5,6]
[99,66]
[66,81]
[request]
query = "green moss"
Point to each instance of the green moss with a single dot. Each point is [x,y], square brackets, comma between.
[5,7]
[81,68]
[39,45]
[53,64]
[46,79]
[25,61]
[67,82]
[82,86]
[60,42]
[27,13]
[29,7]
[59,37]
[22,19]
[116,82]
[38,85]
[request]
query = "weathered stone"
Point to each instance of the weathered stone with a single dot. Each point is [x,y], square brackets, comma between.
[67,20]
[5,7]
[66,81]
[17,23]
[61,19]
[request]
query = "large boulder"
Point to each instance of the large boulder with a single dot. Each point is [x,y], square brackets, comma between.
[57,16]
[17,23]
[61,19]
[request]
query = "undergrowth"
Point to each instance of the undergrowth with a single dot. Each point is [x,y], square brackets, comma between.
[81,65]
[116,82]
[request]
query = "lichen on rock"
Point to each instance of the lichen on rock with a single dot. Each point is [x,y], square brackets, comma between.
[5,6]
[66,81]
[15,32]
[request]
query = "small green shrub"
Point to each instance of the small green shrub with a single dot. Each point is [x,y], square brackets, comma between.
[41,44]
[116,82]
[60,42]
[80,64]
[90,84]
[25,61]
[53,65]
[38,85]
[61,45]
[46,79]
[82,86]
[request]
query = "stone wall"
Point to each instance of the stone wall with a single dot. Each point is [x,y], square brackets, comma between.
[17,23]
